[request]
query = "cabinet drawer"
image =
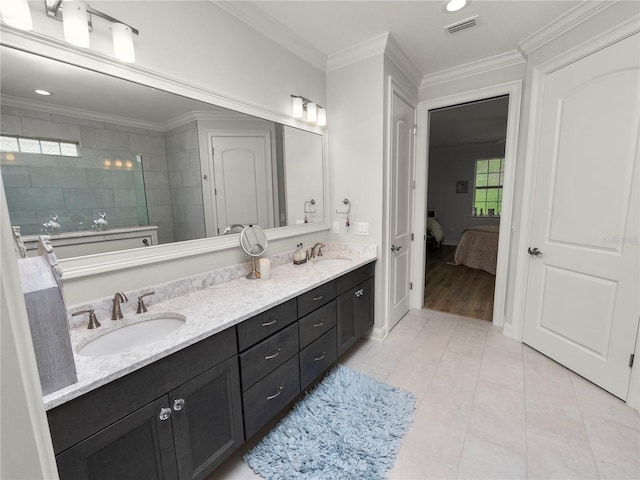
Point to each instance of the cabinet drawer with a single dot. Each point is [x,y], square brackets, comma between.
[308,302]
[317,323]
[317,357]
[270,395]
[261,359]
[351,279]
[253,330]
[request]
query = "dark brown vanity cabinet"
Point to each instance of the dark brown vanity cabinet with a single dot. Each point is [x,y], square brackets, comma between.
[183,434]
[354,306]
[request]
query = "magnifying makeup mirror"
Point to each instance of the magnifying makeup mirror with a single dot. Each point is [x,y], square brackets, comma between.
[253,241]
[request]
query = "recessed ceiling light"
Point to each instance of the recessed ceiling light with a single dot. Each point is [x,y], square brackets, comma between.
[43,92]
[455,5]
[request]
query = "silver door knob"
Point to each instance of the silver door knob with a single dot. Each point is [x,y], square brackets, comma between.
[178,404]
[534,251]
[395,249]
[165,413]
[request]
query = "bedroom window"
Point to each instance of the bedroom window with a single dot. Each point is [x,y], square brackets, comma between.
[41,146]
[487,193]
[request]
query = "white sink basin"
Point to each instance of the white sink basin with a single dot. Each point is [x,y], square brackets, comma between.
[133,335]
[331,261]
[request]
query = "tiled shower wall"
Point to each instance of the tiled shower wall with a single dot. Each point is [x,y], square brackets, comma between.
[183,160]
[77,189]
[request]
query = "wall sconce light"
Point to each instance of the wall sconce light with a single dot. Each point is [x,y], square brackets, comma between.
[314,112]
[16,13]
[77,20]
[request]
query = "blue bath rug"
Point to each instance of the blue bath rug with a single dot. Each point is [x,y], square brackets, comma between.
[349,426]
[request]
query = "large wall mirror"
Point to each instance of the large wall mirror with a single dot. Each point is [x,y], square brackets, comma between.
[101,156]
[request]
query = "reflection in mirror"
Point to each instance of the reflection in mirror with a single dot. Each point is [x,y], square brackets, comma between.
[102,158]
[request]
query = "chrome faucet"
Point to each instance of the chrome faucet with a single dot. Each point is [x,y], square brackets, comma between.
[116,313]
[319,245]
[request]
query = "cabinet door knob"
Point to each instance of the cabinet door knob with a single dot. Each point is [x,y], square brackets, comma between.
[178,404]
[268,324]
[165,413]
[359,292]
[320,357]
[320,297]
[317,325]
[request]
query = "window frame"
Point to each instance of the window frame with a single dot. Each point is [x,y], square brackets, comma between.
[499,187]
[40,141]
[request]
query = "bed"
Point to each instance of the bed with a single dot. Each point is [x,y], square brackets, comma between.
[478,248]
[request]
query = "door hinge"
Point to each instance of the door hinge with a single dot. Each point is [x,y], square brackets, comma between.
[410,285]
[414,130]
[631,357]
[413,184]
[412,237]
[215,191]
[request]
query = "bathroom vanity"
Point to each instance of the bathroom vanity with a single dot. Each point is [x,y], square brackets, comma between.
[181,415]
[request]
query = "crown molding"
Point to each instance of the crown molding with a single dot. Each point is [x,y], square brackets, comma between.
[563,24]
[79,113]
[360,51]
[250,14]
[488,64]
[402,61]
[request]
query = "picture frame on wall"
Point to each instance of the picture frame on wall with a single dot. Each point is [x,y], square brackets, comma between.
[462,186]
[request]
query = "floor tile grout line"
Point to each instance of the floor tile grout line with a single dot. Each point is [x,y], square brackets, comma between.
[584,425]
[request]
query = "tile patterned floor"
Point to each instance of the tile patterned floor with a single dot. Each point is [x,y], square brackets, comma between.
[489,407]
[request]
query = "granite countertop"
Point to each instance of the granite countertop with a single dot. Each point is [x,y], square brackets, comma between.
[207,311]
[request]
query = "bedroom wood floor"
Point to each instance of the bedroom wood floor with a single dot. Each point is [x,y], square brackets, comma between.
[457,289]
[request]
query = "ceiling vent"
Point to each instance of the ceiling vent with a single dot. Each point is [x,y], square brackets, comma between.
[462,25]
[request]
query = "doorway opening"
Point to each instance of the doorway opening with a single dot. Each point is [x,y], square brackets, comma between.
[466,162]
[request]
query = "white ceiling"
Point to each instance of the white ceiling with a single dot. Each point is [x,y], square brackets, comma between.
[334,27]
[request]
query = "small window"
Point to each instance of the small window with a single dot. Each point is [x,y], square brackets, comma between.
[41,146]
[487,194]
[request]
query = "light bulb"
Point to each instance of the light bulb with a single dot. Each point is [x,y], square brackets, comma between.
[16,13]
[312,112]
[455,5]
[322,117]
[123,43]
[297,107]
[75,24]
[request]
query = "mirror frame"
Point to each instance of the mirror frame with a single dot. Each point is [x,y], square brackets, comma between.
[77,267]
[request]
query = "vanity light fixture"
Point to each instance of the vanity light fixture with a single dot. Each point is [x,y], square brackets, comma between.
[310,111]
[77,21]
[16,13]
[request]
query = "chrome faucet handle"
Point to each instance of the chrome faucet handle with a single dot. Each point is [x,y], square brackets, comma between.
[93,321]
[116,312]
[141,306]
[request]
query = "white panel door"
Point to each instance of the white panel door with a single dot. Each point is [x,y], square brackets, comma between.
[583,300]
[242,186]
[403,116]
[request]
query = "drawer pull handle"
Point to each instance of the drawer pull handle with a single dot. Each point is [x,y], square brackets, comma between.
[268,324]
[322,355]
[165,413]
[315,299]
[359,292]
[271,397]
[318,325]
[178,404]
[273,355]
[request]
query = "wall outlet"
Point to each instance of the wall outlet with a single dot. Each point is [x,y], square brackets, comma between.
[361,228]
[336,227]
